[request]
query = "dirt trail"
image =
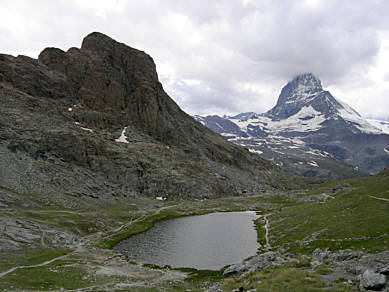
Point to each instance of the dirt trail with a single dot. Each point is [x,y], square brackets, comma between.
[382,199]
[141,218]
[128,224]
[267,231]
[33,266]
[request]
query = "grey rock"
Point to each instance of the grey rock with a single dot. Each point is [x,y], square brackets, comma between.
[384,270]
[344,255]
[259,262]
[63,239]
[359,269]
[371,280]
[214,289]
[235,270]
[320,254]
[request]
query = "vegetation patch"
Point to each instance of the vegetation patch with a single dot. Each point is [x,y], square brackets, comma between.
[349,218]
[59,274]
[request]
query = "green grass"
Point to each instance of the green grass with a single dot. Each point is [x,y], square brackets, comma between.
[59,274]
[40,278]
[351,220]
[261,232]
[29,257]
[136,227]
[282,279]
[202,275]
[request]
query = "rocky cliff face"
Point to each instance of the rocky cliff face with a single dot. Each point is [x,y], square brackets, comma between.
[310,132]
[297,93]
[96,121]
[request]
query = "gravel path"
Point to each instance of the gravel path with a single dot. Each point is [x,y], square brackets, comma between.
[382,199]
[267,231]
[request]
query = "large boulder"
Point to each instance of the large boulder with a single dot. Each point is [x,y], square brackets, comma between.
[371,280]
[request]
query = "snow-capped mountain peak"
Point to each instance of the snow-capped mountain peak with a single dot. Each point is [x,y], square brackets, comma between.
[303,89]
[306,91]
[309,122]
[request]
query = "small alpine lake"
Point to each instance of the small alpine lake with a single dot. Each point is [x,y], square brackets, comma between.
[204,242]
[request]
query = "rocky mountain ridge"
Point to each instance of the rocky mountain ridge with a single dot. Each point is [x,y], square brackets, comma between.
[309,132]
[96,121]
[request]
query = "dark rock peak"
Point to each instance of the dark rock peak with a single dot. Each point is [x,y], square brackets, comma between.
[102,44]
[308,80]
[97,41]
[303,90]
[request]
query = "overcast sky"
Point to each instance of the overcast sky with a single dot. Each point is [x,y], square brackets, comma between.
[230,56]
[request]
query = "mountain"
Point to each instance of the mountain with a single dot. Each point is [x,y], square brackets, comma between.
[309,132]
[95,121]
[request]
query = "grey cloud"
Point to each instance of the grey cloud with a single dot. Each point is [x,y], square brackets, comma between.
[240,52]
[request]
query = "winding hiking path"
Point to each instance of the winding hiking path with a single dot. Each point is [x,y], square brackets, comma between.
[33,266]
[267,231]
[382,199]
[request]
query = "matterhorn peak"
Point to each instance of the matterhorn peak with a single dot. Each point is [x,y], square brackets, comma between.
[302,87]
[301,90]
[308,80]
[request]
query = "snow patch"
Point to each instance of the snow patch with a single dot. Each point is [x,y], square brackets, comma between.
[304,93]
[70,109]
[228,135]
[293,123]
[350,115]
[123,137]
[313,163]
[383,125]
[297,122]
[255,151]
[87,129]
[199,119]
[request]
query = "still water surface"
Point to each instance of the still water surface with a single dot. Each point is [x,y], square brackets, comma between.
[209,241]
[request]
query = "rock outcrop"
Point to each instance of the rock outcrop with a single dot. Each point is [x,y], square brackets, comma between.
[259,262]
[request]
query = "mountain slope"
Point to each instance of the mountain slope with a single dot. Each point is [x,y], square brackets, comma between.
[311,133]
[96,121]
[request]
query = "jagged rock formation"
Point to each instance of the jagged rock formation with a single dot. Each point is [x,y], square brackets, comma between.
[309,132]
[62,116]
